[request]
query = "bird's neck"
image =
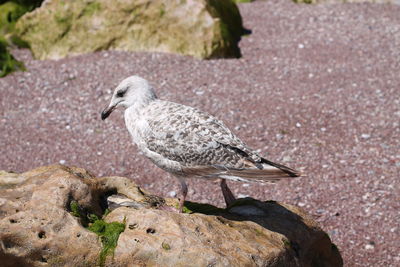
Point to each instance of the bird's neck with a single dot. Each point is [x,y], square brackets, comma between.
[136,122]
[142,100]
[137,107]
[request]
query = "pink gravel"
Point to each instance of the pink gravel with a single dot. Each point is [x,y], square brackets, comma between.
[318,87]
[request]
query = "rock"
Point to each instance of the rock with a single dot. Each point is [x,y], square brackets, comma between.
[10,12]
[9,179]
[35,225]
[199,28]
[52,217]
[8,63]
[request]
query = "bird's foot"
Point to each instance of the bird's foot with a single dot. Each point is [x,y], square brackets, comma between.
[169,208]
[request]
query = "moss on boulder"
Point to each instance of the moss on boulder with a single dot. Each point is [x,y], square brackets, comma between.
[199,28]
[8,63]
[10,12]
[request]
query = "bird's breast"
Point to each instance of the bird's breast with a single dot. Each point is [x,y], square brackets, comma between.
[137,126]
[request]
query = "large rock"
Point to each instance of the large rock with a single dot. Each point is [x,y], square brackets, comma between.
[9,14]
[200,28]
[39,226]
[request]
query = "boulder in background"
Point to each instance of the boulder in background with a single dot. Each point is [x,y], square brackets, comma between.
[199,28]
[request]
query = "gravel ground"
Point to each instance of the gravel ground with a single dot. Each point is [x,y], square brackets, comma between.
[318,88]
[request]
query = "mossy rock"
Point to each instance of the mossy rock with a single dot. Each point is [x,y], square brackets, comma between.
[10,12]
[65,28]
[107,232]
[8,63]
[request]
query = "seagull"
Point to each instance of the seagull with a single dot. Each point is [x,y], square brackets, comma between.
[187,142]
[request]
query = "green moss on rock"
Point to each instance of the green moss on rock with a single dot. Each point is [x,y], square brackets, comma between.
[74,207]
[109,234]
[165,246]
[8,63]
[91,8]
[10,12]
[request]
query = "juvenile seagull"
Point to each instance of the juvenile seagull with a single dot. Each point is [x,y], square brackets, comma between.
[188,142]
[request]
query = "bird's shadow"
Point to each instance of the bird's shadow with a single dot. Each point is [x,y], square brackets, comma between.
[270,214]
[302,235]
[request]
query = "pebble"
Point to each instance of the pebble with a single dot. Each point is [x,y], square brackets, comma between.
[172,194]
[320,211]
[365,136]
[286,158]
[369,246]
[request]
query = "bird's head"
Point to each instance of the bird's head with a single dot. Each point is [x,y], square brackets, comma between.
[133,91]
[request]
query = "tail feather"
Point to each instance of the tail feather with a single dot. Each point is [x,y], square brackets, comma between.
[287,170]
[267,171]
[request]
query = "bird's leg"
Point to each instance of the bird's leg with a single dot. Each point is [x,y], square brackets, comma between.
[228,195]
[184,191]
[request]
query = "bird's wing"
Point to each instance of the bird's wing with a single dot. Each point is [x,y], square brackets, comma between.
[252,158]
[204,146]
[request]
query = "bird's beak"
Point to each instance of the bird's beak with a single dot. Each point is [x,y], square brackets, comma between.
[107,111]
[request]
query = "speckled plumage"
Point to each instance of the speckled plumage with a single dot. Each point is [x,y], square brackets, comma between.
[186,141]
[181,139]
[193,138]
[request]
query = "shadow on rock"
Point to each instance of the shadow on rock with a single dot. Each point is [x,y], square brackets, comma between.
[301,233]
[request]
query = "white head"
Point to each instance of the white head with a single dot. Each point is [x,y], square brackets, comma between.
[133,91]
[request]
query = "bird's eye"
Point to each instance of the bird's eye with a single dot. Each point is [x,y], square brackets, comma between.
[121,93]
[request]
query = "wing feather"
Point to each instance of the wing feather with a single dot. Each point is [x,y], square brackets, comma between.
[204,146]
